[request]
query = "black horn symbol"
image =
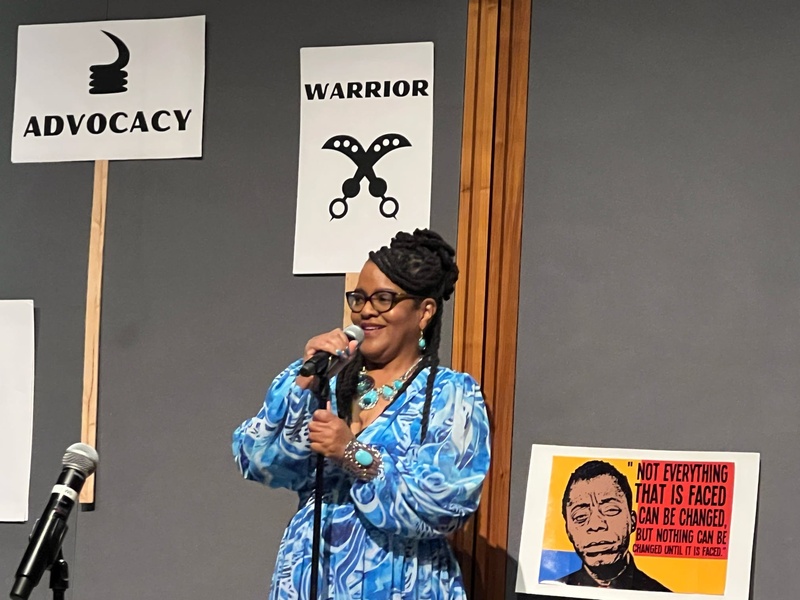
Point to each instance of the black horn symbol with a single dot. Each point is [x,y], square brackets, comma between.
[111,79]
[365,159]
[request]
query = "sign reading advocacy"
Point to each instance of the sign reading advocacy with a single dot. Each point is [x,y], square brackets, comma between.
[598,521]
[111,90]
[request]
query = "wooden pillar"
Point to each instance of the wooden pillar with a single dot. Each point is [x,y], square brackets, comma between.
[488,249]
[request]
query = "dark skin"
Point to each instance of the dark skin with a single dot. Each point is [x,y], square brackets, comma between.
[390,348]
[599,524]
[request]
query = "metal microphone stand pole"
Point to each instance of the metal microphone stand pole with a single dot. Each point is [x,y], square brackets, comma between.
[323,394]
[59,576]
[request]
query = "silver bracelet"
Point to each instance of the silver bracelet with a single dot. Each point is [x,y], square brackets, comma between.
[361,461]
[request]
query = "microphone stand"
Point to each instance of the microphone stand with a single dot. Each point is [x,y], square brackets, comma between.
[59,576]
[323,394]
[59,570]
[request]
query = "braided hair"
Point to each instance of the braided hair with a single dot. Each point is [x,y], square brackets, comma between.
[422,264]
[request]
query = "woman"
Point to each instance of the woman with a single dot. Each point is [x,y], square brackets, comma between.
[407,440]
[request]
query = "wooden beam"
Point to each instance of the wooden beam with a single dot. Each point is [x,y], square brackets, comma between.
[489,249]
[476,180]
[91,347]
[500,346]
[473,216]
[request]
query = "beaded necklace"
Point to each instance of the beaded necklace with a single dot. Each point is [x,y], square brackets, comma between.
[369,394]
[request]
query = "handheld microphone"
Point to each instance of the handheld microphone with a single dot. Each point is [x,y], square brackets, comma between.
[327,364]
[48,533]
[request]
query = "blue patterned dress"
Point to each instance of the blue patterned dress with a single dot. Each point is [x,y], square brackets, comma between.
[384,538]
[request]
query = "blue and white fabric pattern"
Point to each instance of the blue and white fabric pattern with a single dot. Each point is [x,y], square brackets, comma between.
[384,538]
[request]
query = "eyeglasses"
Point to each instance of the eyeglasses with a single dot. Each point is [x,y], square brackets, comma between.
[382,301]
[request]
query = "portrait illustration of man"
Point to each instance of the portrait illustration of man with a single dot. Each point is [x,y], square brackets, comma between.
[598,514]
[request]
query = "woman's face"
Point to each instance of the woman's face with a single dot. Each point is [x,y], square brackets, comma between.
[395,333]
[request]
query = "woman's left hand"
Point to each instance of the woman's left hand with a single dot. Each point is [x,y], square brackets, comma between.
[329,434]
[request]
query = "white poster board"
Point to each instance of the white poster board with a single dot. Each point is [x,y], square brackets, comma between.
[16,406]
[639,522]
[366,147]
[112,90]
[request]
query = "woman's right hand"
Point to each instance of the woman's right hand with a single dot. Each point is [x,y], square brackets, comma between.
[334,342]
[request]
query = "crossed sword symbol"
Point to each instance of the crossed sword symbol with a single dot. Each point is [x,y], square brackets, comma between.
[365,160]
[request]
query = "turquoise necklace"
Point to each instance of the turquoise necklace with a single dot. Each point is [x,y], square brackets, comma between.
[369,394]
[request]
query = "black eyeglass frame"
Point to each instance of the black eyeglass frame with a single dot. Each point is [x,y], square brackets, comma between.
[396,298]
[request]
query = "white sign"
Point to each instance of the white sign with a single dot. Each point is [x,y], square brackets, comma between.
[611,524]
[118,90]
[16,406]
[366,147]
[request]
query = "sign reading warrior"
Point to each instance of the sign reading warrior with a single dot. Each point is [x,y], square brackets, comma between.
[116,90]
[609,523]
[366,147]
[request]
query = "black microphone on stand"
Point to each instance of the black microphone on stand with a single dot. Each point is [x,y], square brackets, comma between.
[327,364]
[48,533]
[323,365]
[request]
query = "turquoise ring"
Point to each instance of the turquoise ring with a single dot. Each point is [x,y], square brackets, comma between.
[363,458]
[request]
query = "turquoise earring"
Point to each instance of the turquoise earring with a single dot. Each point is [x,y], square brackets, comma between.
[421,342]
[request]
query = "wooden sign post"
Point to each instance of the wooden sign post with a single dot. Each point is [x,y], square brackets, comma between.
[91,347]
[350,282]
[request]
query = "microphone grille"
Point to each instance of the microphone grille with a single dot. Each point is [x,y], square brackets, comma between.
[354,332]
[81,457]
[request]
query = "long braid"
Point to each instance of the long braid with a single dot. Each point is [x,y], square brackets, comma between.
[422,264]
[432,359]
[346,386]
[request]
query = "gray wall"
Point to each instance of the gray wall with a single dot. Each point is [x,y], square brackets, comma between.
[200,309]
[660,287]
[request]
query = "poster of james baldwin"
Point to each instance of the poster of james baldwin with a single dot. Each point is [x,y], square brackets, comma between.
[598,521]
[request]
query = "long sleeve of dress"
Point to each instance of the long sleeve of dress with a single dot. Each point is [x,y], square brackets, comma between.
[273,447]
[430,490]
